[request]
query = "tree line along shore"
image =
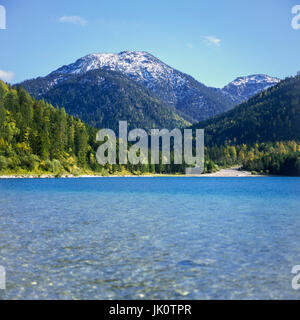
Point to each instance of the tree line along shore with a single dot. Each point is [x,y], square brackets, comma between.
[37,139]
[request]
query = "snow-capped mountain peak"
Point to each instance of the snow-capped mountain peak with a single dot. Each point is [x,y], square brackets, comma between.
[254,79]
[243,88]
[140,66]
[137,64]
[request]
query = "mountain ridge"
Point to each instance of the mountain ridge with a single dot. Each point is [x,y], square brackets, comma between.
[191,99]
[170,85]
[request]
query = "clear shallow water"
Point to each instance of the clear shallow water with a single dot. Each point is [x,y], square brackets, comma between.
[145,238]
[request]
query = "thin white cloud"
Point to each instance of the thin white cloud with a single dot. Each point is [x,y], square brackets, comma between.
[74,20]
[190,45]
[6,75]
[212,40]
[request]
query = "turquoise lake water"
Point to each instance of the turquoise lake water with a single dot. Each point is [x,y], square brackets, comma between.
[150,238]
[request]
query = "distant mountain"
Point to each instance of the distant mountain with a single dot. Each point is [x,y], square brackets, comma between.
[272,115]
[243,88]
[191,98]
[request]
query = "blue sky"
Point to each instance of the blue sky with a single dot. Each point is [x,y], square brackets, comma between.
[214,41]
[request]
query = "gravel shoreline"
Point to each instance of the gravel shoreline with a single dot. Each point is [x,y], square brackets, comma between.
[230,172]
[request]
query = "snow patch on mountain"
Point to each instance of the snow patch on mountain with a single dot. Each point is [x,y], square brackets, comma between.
[138,65]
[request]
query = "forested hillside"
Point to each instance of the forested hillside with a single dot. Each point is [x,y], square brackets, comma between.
[273,115]
[263,133]
[37,138]
[102,98]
